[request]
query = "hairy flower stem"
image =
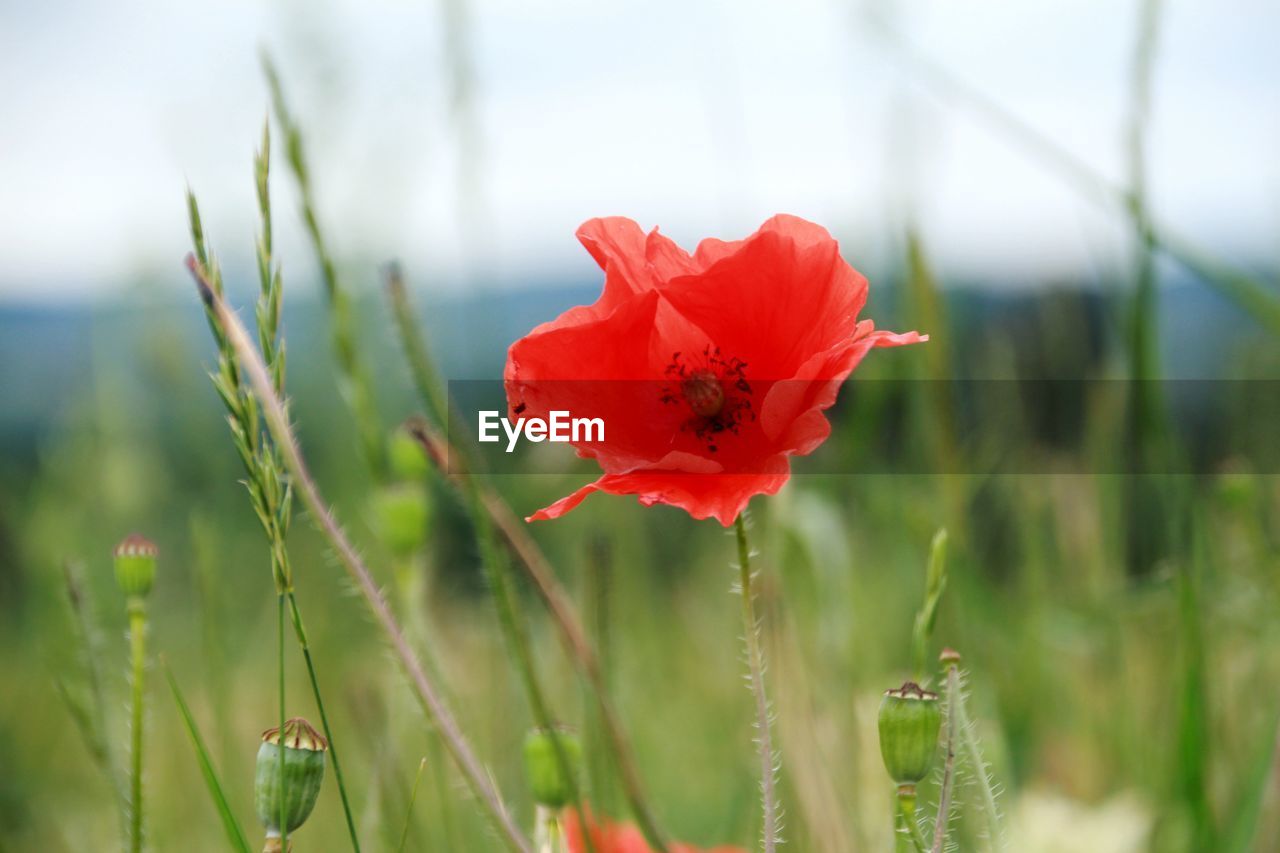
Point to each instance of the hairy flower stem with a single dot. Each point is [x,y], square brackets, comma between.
[947,789]
[138,646]
[755,665]
[973,754]
[281,433]
[537,567]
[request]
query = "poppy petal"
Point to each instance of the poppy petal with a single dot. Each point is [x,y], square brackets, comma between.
[774,301]
[719,496]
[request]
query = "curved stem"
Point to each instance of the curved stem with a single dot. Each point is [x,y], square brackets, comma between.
[755,663]
[138,646]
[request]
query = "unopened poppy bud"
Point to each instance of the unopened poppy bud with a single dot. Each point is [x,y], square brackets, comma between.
[909,721]
[406,456]
[401,514]
[547,783]
[135,564]
[304,750]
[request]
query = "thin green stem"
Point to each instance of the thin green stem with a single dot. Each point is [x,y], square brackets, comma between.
[138,646]
[755,665]
[278,424]
[907,819]
[280,777]
[408,812]
[301,633]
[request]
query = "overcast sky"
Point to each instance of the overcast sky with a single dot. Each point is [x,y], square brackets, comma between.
[704,118]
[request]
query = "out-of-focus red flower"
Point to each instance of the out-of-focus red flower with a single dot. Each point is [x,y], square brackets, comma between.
[609,837]
[709,370]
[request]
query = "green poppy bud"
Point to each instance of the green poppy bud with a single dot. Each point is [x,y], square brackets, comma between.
[135,563]
[549,786]
[909,722]
[406,456]
[304,750]
[401,513]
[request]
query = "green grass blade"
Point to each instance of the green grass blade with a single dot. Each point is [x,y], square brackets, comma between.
[1244,824]
[408,812]
[235,834]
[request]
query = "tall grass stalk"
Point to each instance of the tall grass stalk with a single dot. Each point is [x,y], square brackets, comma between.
[270,491]
[449,459]
[356,384]
[1191,757]
[94,721]
[278,424]
[772,818]
[1252,295]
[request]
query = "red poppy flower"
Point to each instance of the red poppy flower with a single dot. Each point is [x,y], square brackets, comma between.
[622,838]
[708,370]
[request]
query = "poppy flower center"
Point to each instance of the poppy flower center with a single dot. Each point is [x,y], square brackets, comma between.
[714,389]
[703,392]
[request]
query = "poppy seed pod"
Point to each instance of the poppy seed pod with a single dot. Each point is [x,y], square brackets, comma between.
[135,565]
[304,750]
[401,511]
[909,722]
[542,768]
[408,460]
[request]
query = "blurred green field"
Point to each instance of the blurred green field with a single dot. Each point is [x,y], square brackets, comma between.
[1123,705]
